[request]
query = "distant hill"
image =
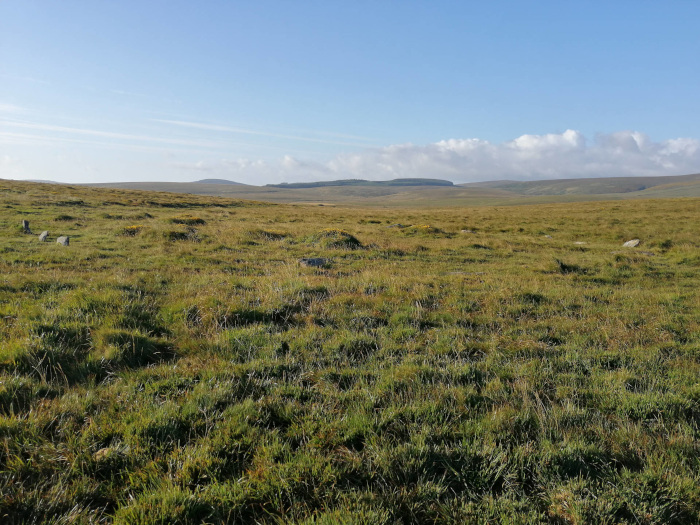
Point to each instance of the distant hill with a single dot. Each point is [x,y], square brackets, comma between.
[599,186]
[437,193]
[362,182]
[215,181]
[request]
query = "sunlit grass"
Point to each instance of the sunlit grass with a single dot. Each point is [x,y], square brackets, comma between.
[176,363]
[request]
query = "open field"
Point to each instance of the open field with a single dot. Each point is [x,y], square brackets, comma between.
[176,364]
[401,193]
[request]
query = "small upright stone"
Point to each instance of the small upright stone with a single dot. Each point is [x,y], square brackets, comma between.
[43,235]
[25,226]
[631,244]
[63,240]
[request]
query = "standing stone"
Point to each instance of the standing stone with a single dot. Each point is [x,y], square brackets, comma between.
[43,236]
[25,226]
[62,240]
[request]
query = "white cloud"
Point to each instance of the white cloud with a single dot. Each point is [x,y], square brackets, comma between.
[562,155]
[222,166]
[10,166]
[109,134]
[555,155]
[244,131]
[11,108]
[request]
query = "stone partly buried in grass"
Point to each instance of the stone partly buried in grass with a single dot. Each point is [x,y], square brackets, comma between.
[63,240]
[315,262]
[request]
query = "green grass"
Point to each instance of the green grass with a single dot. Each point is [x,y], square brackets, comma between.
[176,364]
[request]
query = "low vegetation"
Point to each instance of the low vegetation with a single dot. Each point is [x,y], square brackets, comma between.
[435,193]
[473,366]
[412,182]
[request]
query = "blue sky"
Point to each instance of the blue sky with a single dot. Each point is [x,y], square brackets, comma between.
[268,91]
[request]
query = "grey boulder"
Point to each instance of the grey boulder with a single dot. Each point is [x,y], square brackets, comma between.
[314,262]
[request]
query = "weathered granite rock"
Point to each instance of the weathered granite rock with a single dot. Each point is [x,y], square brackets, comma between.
[43,235]
[63,240]
[25,226]
[632,244]
[314,262]
[580,243]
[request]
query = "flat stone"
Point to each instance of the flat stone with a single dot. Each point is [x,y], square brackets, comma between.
[547,236]
[580,243]
[314,262]
[631,244]
[468,231]
[43,235]
[63,240]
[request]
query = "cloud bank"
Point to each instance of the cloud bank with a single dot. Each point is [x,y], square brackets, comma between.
[528,157]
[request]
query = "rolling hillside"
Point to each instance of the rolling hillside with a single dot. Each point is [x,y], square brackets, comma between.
[436,193]
[600,186]
[363,183]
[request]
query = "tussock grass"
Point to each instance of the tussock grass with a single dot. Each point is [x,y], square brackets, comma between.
[189,220]
[337,238]
[427,376]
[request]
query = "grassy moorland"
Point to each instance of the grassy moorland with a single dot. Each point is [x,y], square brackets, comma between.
[176,364]
[422,193]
